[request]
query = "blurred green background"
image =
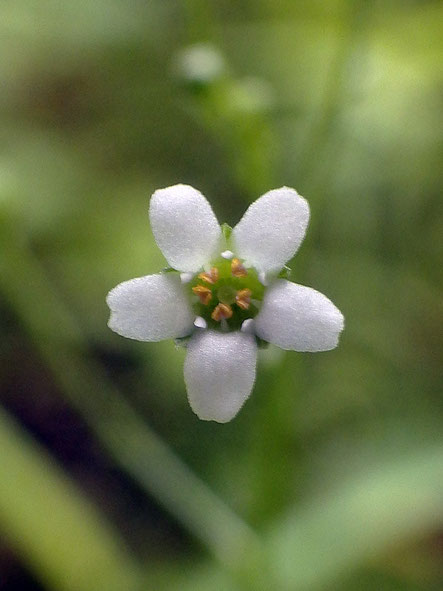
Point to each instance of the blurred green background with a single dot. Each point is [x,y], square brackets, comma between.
[331,476]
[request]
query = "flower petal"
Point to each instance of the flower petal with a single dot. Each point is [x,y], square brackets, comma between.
[298,318]
[184,227]
[271,229]
[150,308]
[219,373]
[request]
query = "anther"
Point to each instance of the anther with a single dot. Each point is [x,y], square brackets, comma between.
[243,298]
[204,294]
[248,326]
[237,269]
[221,311]
[210,277]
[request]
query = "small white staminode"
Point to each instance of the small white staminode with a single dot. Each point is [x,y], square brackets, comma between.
[248,326]
[186,277]
[262,278]
[200,322]
[227,254]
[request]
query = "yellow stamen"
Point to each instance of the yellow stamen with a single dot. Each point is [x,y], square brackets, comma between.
[221,311]
[237,269]
[204,294]
[211,277]
[243,298]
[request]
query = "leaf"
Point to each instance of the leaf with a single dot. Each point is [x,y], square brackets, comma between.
[377,508]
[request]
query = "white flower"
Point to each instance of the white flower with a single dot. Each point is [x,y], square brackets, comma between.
[225,292]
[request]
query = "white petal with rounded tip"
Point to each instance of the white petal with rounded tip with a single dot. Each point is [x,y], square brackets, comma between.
[272,229]
[184,227]
[150,308]
[298,318]
[219,373]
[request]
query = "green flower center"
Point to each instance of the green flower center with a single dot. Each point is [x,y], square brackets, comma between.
[227,294]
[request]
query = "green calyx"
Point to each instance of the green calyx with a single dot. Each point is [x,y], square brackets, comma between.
[226,231]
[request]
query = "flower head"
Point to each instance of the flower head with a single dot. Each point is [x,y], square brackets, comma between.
[224,290]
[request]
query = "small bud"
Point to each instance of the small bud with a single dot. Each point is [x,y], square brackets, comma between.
[202,63]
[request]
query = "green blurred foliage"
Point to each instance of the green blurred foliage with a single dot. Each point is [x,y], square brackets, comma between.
[331,477]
